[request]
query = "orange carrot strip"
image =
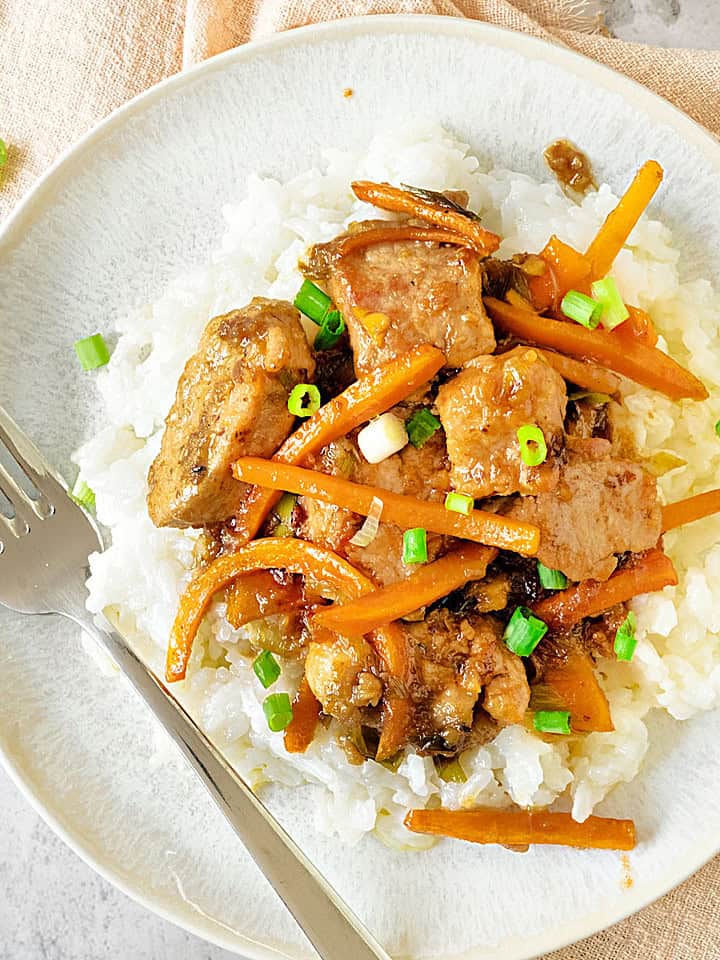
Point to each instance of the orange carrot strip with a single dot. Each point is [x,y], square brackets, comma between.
[427,584]
[567,269]
[571,677]
[638,326]
[619,223]
[386,197]
[396,233]
[256,595]
[632,359]
[407,512]
[586,375]
[369,396]
[306,710]
[693,508]
[517,827]
[650,572]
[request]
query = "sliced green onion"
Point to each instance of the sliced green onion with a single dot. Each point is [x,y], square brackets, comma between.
[581,308]
[266,668]
[415,546]
[614,311]
[304,400]
[421,426]
[459,503]
[312,301]
[283,511]
[551,579]
[717,428]
[83,495]
[92,352]
[523,632]
[552,721]
[590,395]
[3,153]
[278,711]
[625,639]
[533,448]
[450,770]
[331,329]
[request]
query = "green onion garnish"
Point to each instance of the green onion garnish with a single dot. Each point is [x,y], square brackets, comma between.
[581,308]
[92,352]
[266,668]
[450,771]
[3,153]
[331,329]
[590,395]
[614,311]
[459,503]
[304,400]
[717,428]
[415,546]
[533,448]
[523,632]
[284,511]
[278,711]
[551,579]
[421,426]
[83,495]
[625,639]
[312,301]
[552,721]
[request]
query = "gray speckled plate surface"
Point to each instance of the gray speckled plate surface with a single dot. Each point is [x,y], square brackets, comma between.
[135,203]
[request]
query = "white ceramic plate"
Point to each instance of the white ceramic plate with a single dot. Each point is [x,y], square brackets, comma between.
[132,205]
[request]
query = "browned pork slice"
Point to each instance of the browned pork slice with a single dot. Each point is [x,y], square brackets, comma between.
[343,676]
[231,401]
[600,508]
[396,295]
[481,410]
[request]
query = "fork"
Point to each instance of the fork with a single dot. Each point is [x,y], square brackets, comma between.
[45,541]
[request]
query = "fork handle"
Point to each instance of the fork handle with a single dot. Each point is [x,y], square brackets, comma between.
[326,920]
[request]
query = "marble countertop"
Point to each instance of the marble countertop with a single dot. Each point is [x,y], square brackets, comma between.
[55,907]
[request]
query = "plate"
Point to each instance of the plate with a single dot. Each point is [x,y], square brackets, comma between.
[137,202]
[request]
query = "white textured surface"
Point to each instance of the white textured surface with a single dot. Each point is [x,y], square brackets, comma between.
[56,907]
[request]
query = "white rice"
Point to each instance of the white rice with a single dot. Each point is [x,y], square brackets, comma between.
[138,580]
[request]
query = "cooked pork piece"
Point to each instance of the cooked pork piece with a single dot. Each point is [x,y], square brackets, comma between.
[481,410]
[342,676]
[231,401]
[395,295]
[600,508]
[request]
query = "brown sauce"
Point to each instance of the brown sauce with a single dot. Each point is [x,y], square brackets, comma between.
[571,167]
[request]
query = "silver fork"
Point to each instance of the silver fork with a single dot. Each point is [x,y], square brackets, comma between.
[45,541]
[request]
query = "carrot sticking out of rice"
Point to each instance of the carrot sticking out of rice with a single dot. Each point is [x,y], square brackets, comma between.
[570,683]
[424,207]
[638,326]
[521,827]
[364,399]
[404,511]
[631,358]
[306,711]
[693,508]
[566,269]
[427,584]
[650,572]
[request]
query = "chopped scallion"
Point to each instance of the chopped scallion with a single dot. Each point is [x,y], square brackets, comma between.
[83,495]
[581,308]
[523,632]
[717,428]
[459,503]
[266,668]
[614,311]
[415,546]
[284,511]
[331,329]
[533,448]
[304,400]
[450,770]
[3,153]
[421,426]
[551,579]
[278,711]
[552,721]
[590,395]
[625,639]
[92,352]
[312,301]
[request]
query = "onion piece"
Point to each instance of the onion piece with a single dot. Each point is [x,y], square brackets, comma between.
[368,531]
[382,437]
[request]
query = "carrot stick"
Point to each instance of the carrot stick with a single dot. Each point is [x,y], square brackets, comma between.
[256,595]
[306,710]
[394,233]
[650,572]
[584,374]
[387,197]
[618,225]
[638,326]
[569,674]
[567,269]
[518,827]
[407,512]
[693,508]
[429,583]
[632,359]
[369,396]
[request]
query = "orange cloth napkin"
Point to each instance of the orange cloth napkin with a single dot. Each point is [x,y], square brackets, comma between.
[66,65]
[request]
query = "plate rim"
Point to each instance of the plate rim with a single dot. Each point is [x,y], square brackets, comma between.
[183,913]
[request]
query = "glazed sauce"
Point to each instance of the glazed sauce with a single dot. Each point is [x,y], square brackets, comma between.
[570,166]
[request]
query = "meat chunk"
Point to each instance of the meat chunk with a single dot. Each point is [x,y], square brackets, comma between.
[600,508]
[481,410]
[395,295]
[231,401]
[342,676]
